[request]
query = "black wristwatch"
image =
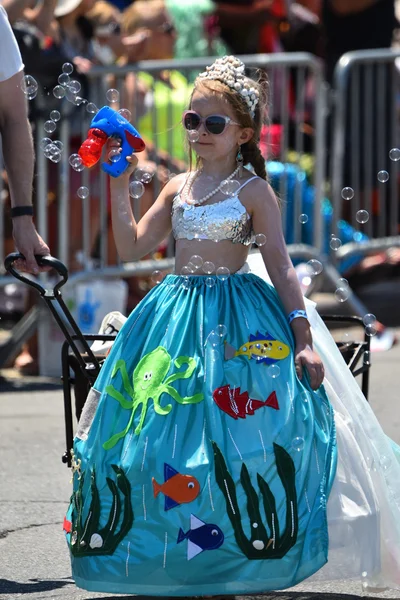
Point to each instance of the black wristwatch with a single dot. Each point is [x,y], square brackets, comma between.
[21,211]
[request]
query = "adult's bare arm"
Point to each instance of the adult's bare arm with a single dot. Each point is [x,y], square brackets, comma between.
[16,140]
[42,15]
[15,8]
[18,155]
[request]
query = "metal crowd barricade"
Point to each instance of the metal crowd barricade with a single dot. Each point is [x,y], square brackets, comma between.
[365,129]
[291,105]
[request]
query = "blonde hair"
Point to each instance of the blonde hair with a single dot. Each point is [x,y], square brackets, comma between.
[141,14]
[250,151]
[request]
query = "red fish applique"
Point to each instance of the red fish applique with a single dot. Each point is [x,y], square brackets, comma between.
[237,404]
[67,526]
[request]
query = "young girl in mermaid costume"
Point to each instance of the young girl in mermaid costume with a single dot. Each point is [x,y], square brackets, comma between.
[210,458]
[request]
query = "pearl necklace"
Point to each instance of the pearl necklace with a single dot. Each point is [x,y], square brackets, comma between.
[211,194]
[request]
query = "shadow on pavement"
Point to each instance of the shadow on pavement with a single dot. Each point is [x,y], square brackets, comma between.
[32,586]
[28,384]
[271,596]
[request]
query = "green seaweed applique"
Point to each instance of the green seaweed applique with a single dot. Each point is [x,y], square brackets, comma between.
[261,545]
[148,383]
[86,537]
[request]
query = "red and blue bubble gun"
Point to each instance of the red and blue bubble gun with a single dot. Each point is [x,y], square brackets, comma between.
[106,123]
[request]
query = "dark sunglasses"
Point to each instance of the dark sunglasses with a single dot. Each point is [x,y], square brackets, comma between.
[167,28]
[214,124]
[108,30]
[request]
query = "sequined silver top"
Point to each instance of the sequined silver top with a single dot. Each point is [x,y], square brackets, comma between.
[224,220]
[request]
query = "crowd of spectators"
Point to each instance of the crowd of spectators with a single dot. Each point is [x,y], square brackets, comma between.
[89,33]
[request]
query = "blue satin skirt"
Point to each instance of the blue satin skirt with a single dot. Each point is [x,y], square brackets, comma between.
[202,465]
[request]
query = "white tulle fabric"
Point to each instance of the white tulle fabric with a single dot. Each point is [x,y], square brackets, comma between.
[364,505]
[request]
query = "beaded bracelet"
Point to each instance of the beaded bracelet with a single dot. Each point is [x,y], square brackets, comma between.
[296,314]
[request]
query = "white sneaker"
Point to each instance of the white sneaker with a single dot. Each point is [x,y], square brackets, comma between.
[111,325]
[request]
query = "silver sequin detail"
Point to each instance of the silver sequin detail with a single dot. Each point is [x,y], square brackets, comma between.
[224,220]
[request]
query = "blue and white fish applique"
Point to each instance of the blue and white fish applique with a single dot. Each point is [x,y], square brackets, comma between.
[201,536]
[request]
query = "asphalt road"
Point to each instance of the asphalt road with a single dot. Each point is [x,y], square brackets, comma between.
[35,488]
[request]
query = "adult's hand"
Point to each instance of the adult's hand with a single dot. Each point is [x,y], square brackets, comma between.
[82,65]
[29,243]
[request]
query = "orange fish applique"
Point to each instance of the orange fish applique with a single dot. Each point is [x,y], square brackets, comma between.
[177,489]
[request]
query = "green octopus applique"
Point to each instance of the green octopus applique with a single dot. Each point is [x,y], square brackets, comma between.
[148,384]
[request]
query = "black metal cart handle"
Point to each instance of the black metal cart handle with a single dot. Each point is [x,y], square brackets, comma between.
[42,261]
[54,295]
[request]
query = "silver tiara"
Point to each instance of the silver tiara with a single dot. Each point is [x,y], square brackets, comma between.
[230,70]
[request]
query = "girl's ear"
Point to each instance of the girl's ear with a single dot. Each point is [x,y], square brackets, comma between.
[246,135]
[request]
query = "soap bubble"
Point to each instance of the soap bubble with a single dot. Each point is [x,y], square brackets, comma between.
[186,270]
[78,100]
[114,155]
[273,371]
[196,261]
[83,192]
[362,216]
[260,239]
[223,273]
[56,157]
[70,95]
[50,150]
[304,397]
[221,330]
[314,267]
[58,92]
[59,144]
[210,282]
[67,68]
[193,136]
[45,142]
[335,243]
[347,193]
[74,86]
[185,283]
[143,175]
[394,154]
[191,267]
[112,95]
[214,339]
[64,79]
[370,330]
[55,115]
[49,126]
[92,108]
[29,86]
[136,189]
[369,319]
[342,283]
[383,176]
[303,218]
[342,294]
[229,186]
[76,162]
[298,443]
[385,461]
[208,267]
[124,112]
[156,277]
